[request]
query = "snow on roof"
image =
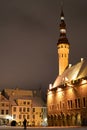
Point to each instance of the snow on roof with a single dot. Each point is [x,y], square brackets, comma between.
[75,72]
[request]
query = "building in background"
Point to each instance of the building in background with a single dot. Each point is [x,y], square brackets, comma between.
[4,110]
[23,104]
[67,97]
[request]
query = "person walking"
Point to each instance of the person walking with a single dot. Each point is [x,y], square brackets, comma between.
[25,123]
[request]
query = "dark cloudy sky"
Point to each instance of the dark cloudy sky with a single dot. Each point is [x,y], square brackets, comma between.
[29,31]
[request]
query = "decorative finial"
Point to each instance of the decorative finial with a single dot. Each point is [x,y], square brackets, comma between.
[62,14]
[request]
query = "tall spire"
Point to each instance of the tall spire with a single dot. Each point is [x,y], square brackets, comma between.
[63,46]
[62,38]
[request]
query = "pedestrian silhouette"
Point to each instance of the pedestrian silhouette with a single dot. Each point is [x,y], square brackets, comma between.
[25,123]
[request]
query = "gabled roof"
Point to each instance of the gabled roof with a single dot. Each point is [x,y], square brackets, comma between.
[75,72]
[3,99]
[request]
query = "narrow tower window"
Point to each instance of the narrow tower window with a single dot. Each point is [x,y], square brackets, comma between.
[78,102]
[84,102]
[75,103]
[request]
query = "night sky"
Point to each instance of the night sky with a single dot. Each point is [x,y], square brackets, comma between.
[29,31]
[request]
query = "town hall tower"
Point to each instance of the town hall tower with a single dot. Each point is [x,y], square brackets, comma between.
[63,46]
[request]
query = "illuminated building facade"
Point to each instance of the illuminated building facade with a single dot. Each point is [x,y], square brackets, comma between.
[67,97]
[4,110]
[22,109]
[25,104]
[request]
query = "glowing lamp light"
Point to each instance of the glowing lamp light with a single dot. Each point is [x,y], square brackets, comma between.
[9,117]
[70,65]
[45,119]
[82,59]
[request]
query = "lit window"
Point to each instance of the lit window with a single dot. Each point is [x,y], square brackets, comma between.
[68,103]
[24,102]
[75,103]
[24,116]
[2,112]
[78,102]
[52,107]
[36,113]
[28,103]
[27,116]
[24,109]
[41,116]
[7,112]
[42,110]
[14,109]
[33,116]
[71,105]
[20,116]
[20,109]
[63,105]
[49,107]
[33,109]
[28,109]
[3,104]
[57,106]
[7,105]
[14,116]
[65,55]
[60,104]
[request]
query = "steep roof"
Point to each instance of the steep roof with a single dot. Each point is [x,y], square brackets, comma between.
[38,102]
[34,95]
[75,72]
[18,92]
[3,99]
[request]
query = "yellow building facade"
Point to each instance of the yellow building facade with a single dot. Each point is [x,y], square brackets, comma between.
[22,110]
[39,116]
[4,110]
